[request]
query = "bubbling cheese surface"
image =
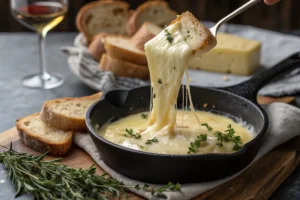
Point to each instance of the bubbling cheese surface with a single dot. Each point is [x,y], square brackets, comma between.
[167,62]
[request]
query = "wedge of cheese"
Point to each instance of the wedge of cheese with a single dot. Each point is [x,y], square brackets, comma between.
[232,54]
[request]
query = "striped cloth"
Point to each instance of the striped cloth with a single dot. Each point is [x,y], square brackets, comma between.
[276,47]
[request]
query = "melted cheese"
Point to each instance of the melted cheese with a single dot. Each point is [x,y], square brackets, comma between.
[167,63]
[179,142]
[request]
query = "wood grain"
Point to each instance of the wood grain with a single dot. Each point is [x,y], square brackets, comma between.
[257,182]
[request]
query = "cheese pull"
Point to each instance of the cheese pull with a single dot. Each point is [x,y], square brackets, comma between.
[168,55]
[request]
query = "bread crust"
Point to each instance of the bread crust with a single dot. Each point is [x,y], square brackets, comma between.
[60,121]
[80,24]
[96,47]
[123,68]
[132,26]
[42,144]
[206,40]
[115,51]
[142,36]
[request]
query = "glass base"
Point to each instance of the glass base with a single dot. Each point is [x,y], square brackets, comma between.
[46,81]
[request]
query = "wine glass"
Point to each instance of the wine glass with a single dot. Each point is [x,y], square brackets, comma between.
[40,16]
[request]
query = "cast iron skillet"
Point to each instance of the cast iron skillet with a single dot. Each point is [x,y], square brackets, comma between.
[238,101]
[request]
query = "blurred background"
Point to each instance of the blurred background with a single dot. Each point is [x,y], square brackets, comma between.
[283,18]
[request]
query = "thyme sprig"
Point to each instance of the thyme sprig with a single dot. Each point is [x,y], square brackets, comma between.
[194,146]
[152,141]
[129,133]
[51,180]
[209,128]
[144,115]
[229,137]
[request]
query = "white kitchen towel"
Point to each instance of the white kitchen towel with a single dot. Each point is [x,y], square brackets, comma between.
[275,47]
[284,125]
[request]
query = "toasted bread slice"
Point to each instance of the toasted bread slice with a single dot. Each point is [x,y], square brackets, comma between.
[122,48]
[123,68]
[156,12]
[144,34]
[198,37]
[103,17]
[43,138]
[68,113]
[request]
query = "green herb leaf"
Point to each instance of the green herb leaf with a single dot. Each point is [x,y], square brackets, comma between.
[229,137]
[209,128]
[169,36]
[152,140]
[129,133]
[194,146]
[144,116]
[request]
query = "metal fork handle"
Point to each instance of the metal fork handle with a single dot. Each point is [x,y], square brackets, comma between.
[244,7]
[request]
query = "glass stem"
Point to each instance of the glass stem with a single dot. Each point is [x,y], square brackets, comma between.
[43,67]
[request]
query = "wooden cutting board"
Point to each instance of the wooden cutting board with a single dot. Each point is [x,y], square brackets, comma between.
[257,182]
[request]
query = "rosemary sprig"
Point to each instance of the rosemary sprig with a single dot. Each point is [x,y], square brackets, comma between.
[229,136]
[144,115]
[209,128]
[50,180]
[195,145]
[129,133]
[152,141]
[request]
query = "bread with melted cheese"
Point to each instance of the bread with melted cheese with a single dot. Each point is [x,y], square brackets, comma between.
[157,12]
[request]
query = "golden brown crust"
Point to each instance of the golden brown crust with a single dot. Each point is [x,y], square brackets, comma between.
[63,122]
[132,25]
[123,68]
[122,53]
[142,36]
[42,144]
[80,24]
[96,47]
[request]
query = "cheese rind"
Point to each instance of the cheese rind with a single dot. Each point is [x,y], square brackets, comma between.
[232,54]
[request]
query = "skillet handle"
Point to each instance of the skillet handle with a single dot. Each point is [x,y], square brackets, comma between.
[250,88]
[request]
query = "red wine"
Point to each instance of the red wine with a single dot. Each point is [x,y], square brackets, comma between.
[40,16]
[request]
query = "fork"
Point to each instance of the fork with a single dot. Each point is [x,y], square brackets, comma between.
[214,29]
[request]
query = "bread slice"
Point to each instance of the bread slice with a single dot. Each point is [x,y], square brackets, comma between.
[122,48]
[197,36]
[123,68]
[43,138]
[68,113]
[103,17]
[96,47]
[144,34]
[157,12]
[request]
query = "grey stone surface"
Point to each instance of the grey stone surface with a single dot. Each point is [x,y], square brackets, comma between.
[19,57]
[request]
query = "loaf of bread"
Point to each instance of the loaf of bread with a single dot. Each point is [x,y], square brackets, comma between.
[157,12]
[123,49]
[43,138]
[144,34]
[103,17]
[124,68]
[68,113]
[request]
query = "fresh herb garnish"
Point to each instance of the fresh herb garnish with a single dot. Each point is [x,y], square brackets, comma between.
[152,141]
[142,147]
[209,128]
[144,116]
[159,190]
[195,145]
[129,132]
[159,81]
[51,180]
[229,137]
[169,37]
